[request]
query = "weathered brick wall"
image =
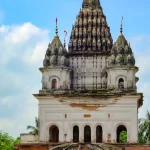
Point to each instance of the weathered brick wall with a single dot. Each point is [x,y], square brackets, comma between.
[31,147]
[138,147]
[47,147]
[134,147]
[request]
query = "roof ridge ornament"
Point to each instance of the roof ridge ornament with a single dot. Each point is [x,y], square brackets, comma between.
[65,32]
[121,28]
[56,27]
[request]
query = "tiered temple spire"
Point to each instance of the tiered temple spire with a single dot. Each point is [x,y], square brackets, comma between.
[56,27]
[90,33]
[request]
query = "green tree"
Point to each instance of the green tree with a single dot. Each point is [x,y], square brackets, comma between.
[123,137]
[6,141]
[141,138]
[144,129]
[17,141]
[34,130]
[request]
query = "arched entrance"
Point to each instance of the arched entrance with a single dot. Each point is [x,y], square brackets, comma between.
[99,134]
[87,134]
[54,134]
[121,83]
[120,129]
[54,84]
[75,134]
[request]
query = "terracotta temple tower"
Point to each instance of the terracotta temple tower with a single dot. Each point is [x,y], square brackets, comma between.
[89,92]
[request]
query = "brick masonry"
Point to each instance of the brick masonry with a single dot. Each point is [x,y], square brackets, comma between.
[49,146]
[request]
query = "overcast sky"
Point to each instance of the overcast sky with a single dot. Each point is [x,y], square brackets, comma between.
[27,27]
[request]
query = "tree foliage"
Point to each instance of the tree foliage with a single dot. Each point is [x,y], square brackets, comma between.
[123,137]
[7,142]
[144,129]
[17,141]
[141,138]
[34,130]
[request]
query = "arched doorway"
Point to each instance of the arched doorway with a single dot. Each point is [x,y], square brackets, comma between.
[54,134]
[99,134]
[87,134]
[75,134]
[121,83]
[54,84]
[120,129]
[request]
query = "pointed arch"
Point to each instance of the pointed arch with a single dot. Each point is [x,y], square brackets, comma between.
[99,134]
[121,83]
[54,84]
[120,129]
[76,134]
[87,134]
[54,134]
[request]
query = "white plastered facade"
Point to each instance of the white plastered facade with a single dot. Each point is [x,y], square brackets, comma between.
[127,73]
[61,74]
[109,114]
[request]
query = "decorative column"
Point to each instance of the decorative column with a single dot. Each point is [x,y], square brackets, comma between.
[93,134]
[113,133]
[81,133]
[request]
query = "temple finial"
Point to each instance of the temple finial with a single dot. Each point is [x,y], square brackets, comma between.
[64,43]
[121,28]
[91,3]
[65,38]
[56,27]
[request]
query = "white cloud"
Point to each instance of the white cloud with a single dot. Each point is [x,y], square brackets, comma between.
[142,52]
[6,100]
[36,55]
[145,89]
[22,49]
[141,47]
[7,124]
[25,108]
[22,33]
[21,41]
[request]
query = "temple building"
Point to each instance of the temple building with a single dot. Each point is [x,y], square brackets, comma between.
[89,92]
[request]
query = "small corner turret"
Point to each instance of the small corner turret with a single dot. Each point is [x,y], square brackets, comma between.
[55,70]
[121,52]
[56,54]
[121,66]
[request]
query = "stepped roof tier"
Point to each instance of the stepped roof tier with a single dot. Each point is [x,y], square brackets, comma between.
[56,54]
[90,33]
[121,52]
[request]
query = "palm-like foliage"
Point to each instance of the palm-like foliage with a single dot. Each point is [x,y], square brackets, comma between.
[6,141]
[144,127]
[34,130]
[123,137]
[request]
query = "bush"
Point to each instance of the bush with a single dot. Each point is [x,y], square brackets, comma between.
[123,137]
[7,142]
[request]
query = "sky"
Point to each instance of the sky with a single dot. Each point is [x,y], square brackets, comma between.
[26,29]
